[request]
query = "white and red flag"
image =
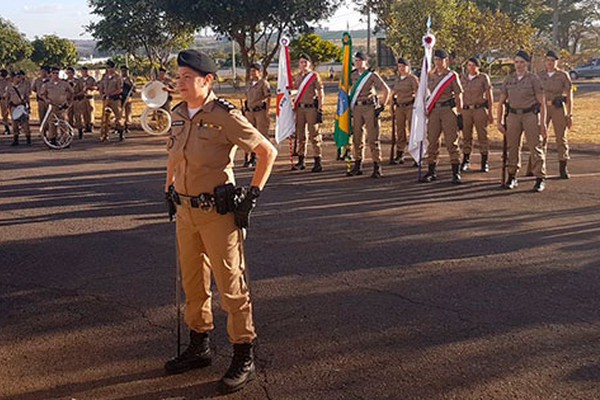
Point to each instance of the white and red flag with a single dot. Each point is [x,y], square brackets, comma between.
[285,121]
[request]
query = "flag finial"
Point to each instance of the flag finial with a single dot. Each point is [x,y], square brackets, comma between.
[428,23]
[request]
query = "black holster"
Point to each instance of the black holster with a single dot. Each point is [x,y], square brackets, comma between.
[225,198]
[559,101]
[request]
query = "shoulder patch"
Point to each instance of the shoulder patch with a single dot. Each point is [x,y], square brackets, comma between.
[225,104]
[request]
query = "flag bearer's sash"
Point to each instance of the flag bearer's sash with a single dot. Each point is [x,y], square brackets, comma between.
[308,79]
[357,88]
[439,89]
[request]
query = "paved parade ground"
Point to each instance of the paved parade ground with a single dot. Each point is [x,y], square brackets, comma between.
[362,288]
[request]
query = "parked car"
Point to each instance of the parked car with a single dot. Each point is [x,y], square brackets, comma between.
[590,70]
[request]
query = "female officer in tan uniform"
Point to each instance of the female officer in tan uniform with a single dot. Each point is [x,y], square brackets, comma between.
[256,106]
[403,96]
[524,97]
[205,133]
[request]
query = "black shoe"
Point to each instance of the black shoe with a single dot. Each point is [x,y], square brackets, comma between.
[356,170]
[28,140]
[15,142]
[80,133]
[540,185]
[299,165]
[485,167]
[376,171]
[197,355]
[241,371]
[431,174]
[456,178]
[6,130]
[53,142]
[398,159]
[511,182]
[466,164]
[317,167]
[121,135]
[415,164]
[564,173]
[89,129]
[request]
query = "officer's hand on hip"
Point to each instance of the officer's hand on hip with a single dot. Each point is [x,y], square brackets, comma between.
[243,210]
[171,207]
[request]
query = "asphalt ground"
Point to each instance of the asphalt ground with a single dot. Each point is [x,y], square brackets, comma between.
[362,288]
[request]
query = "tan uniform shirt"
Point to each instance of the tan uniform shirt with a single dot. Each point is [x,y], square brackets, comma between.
[88,82]
[258,93]
[57,92]
[24,89]
[38,83]
[4,84]
[522,93]
[202,149]
[475,89]
[405,89]
[449,93]
[78,88]
[110,85]
[371,86]
[559,84]
[311,91]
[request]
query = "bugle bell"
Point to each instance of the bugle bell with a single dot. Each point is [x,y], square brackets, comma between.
[154,119]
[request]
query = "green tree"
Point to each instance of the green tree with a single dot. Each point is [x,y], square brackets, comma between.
[318,49]
[139,27]
[54,51]
[13,45]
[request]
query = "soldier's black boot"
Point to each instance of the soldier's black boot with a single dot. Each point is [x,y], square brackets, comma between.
[376,171]
[485,166]
[197,355]
[456,178]
[466,164]
[356,170]
[121,135]
[299,164]
[564,173]
[252,161]
[540,185]
[80,133]
[398,159]
[6,129]
[511,182]
[15,141]
[246,160]
[431,174]
[241,371]
[28,140]
[317,167]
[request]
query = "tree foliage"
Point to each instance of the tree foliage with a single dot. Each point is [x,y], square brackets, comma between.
[54,51]
[13,46]
[317,49]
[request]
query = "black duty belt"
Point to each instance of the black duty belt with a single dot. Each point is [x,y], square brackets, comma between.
[257,108]
[445,104]
[410,103]
[521,111]
[205,201]
[306,105]
[368,102]
[475,106]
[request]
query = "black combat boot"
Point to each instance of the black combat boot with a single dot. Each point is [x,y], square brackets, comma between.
[398,159]
[241,371]
[246,160]
[89,128]
[317,167]
[197,355]
[456,178]
[466,164]
[356,170]
[252,161]
[540,185]
[431,174]
[80,133]
[15,141]
[485,167]
[121,135]
[28,140]
[511,182]
[6,129]
[564,173]
[299,165]
[376,171]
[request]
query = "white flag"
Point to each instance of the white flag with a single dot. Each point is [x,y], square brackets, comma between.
[417,143]
[285,121]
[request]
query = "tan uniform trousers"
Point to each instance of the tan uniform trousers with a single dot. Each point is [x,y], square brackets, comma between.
[558,117]
[4,110]
[516,124]
[307,117]
[403,116]
[211,244]
[260,120]
[442,119]
[42,110]
[477,118]
[79,111]
[364,115]
[115,108]
[24,125]
[50,122]
[88,115]
[127,112]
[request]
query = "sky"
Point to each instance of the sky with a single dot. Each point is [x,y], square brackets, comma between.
[67,18]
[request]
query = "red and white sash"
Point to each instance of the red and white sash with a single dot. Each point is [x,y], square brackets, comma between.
[439,89]
[308,79]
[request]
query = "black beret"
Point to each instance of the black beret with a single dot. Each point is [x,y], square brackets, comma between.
[84,68]
[55,69]
[125,67]
[45,68]
[552,53]
[71,69]
[360,55]
[197,61]
[475,61]
[403,61]
[21,72]
[524,55]
[256,66]
[110,64]
[440,53]
[305,56]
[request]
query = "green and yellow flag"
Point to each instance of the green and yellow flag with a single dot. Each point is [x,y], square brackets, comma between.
[343,119]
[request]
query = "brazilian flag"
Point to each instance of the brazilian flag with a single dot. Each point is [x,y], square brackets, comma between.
[343,119]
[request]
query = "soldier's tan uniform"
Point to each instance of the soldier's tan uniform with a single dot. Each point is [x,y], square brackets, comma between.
[521,99]
[88,102]
[75,112]
[202,150]
[110,87]
[475,112]
[42,105]
[557,87]
[443,119]
[403,93]
[127,104]
[59,94]
[4,84]
[363,115]
[15,96]
[306,115]
[257,96]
